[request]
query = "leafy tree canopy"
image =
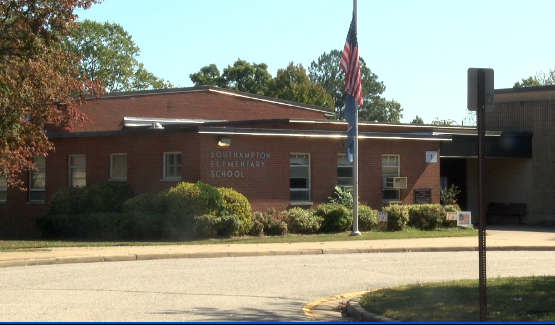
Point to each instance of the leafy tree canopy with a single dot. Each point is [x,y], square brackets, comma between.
[541,79]
[327,71]
[291,83]
[40,85]
[417,120]
[437,121]
[110,55]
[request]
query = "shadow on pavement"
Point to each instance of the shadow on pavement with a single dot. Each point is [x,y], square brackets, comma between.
[284,313]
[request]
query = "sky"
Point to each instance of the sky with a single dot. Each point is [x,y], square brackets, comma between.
[420,49]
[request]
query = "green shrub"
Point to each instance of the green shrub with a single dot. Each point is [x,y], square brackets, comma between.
[98,197]
[209,225]
[397,217]
[211,196]
[367,218]
[258,222]
[143,225]
[426,216]
[100,225]
[235,203]
[301,221]
[186,201]
[143,202]
[271,222]
[104,197]
[345,198]
[206,225]
[65,201]
[229,226]
[336,217]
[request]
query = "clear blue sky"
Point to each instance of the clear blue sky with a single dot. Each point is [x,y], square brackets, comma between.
[420,49]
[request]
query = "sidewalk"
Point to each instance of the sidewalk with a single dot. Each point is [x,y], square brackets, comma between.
[497,238]
[505,237]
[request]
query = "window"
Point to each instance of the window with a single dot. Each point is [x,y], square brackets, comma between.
[390,169]
[118,166]
[344,173]
[172,165]
[37,179]
[299,177]
[77,170]
[3,189]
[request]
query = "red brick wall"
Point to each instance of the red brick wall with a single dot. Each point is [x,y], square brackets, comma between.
[269,185]
[108,113]
[264,186]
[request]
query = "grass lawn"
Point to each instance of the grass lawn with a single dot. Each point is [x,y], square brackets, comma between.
[527,299]
[17,245]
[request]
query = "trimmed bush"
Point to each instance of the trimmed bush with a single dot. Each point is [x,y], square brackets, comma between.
[104,197]
[142,225]
[209,225]
[143,202]
[270,223]
[98,197]
[184,202]
[229,226]
[335,216]
[65,201]
[426,216]
[301,221]
[258,221]
[367,218]
[206,225]
[235,203]
[397,217]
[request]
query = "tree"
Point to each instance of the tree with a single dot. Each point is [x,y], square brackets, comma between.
[109,54]
[40,85]
[293,84]
[469,119]
[437,121]
[541,79]
[417,120]
[327,71]
[242,76]
[208,76]
[246,77]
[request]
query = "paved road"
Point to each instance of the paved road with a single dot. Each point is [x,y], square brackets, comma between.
[264,288]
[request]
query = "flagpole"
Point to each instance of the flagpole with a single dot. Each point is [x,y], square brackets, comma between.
[355,231]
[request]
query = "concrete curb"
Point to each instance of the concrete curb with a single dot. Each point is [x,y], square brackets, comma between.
[160,256]
[360,314]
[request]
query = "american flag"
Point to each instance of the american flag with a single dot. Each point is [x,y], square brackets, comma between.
[350,65]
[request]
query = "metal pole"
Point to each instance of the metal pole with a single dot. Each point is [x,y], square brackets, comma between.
[355,231]
[481,114]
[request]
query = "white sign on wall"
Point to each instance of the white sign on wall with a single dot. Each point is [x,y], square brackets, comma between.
[382,216]
[431,156]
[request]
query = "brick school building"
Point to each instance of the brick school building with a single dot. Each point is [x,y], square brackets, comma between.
[277,153]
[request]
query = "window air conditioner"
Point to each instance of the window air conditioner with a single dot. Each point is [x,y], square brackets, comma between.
[346,188]
[399,182]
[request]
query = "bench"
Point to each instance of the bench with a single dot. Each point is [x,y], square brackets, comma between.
[506,209]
